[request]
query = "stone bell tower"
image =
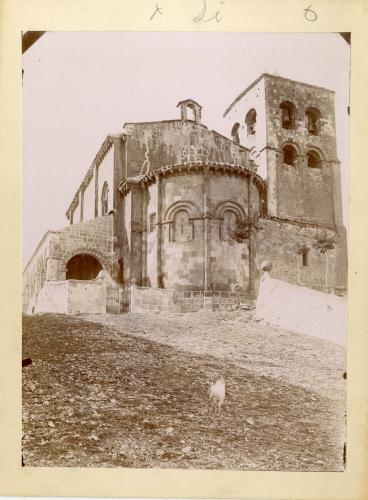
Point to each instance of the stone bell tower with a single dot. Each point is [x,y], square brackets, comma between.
[290,129]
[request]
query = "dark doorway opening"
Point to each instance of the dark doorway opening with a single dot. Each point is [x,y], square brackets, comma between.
[82,267]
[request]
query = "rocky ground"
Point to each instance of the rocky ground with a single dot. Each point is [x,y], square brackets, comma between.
[132,391]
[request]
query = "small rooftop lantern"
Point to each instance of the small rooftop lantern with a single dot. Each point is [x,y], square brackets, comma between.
[194,106]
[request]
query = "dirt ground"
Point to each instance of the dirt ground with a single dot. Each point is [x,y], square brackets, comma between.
[132,391]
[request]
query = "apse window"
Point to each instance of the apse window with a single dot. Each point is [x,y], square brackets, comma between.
[182,227]
[250,120]
[229,225]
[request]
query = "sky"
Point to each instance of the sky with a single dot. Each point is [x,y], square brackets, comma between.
[78,87]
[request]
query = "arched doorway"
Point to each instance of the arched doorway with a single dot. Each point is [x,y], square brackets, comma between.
[83,267]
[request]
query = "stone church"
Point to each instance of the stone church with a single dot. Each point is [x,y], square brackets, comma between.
[183,216]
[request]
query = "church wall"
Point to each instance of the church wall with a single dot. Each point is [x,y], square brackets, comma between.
[228,259]
[225,187]
[304,193]
[95,237]
[153,145]
[257,202]
[253,99]
[183,261]
[178,187]
[279,241]
[184,256]
[35,272]
[87,195]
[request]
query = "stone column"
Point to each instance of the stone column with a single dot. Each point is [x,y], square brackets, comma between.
[207,229]
[119,145]
[197,115]
[252,235]
[336,193]
[144,234]
[159,233]
[183,112]
[96,190]
[340,261]
[272,165]
[136,234]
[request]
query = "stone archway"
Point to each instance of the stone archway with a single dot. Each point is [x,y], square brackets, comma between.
[105,262]
[83,266]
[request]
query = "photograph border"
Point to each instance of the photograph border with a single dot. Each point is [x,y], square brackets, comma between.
[82,15]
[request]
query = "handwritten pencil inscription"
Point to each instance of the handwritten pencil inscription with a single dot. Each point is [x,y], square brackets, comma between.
[309,14]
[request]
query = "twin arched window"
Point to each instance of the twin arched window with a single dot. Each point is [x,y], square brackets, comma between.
[290,157]
[312,116]
[105,199]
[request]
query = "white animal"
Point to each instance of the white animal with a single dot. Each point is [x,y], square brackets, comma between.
[217,393]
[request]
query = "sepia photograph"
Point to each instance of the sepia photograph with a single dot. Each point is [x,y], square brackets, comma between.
[185,261]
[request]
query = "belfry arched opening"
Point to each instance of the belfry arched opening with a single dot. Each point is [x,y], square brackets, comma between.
[83,267]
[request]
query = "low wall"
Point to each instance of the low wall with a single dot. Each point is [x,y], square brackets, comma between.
[302,310]
[140,299]
[150,299]
[53,298]
[86,297]
[207,300]
[101,296]
[72,297]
